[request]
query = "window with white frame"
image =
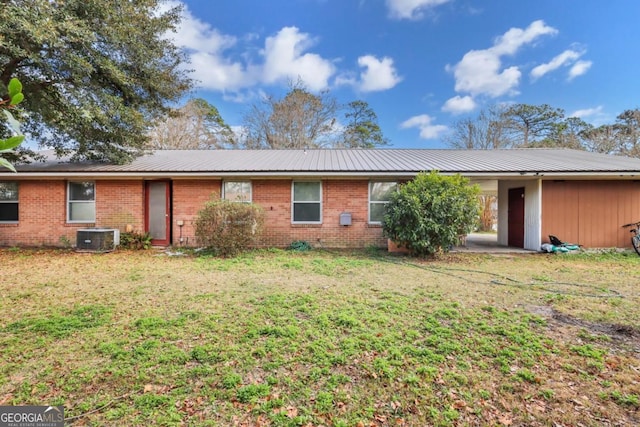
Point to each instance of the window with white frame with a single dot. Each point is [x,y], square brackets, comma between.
[8,201]
[81,201]
[237,191]
[379,195]
[306,197]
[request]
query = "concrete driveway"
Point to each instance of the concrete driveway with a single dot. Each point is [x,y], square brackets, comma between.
[487,243]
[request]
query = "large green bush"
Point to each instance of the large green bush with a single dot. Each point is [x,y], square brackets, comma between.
[429,214]
[228,228]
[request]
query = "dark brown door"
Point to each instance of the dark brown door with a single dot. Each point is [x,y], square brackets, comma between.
[516,218]
[158,213]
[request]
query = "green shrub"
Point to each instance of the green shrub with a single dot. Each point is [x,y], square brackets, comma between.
[135,240]
[228,228]
[428,214]
[300,246]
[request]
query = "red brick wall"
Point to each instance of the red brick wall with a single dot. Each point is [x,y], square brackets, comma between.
[188,197]
[43,212]
[119,203]
[275,198]
[337,197]
[128,208]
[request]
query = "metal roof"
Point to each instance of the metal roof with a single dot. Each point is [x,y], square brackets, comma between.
[347,162]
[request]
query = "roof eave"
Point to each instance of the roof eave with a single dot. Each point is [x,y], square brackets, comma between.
[313,174]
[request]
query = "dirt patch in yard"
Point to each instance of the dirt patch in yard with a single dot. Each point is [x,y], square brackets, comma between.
[618,336]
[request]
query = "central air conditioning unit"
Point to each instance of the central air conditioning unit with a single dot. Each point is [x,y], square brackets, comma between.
[97,239]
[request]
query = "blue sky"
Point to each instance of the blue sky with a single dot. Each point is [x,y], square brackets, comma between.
[421,65]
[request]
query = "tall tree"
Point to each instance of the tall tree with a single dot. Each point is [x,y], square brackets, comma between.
[96,71]
[621,137]
[603,139]
[528,124]
[195,126]
[485,132]
[362,129]
[299,120]
[302,119]
[568,133]
[628,124]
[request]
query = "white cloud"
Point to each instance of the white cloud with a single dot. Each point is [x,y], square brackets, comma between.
[205,47]
[459,104]
[411,9]
[378,74]
[424,122]
[480,72]
[284,56]
[579,68]
[285,60]
[231,64]
[213,72]
[515,38]
[567,57]
[346,79]
[587,112]
[197,35]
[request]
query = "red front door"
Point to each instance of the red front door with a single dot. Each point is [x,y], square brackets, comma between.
[158,212]
[516,218]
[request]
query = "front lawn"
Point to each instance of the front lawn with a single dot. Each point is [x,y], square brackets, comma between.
[322,338]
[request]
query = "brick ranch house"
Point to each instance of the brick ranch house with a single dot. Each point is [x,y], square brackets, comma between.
[330,198]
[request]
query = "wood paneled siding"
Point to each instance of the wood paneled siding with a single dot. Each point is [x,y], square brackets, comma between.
[590,212]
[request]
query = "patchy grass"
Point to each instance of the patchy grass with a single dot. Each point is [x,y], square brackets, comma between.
[319,338]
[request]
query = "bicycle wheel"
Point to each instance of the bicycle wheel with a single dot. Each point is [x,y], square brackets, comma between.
[635,241]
